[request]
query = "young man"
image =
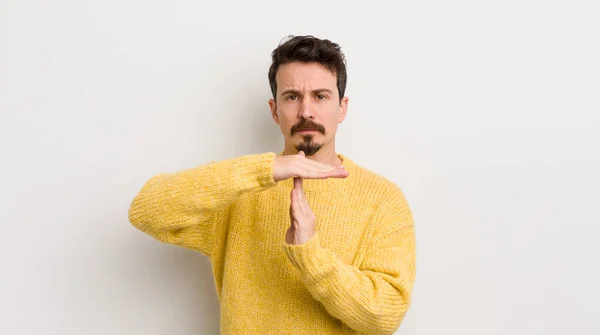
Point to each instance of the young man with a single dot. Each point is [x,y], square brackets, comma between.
[303,241]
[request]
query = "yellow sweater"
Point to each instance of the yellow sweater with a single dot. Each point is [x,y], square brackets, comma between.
[355,275]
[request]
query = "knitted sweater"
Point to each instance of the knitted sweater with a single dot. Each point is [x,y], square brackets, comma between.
[354,276]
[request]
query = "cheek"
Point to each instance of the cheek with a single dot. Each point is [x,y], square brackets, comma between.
[332,117]
[286,121]
[332,127]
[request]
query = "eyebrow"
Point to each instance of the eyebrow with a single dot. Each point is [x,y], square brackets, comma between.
[296,92]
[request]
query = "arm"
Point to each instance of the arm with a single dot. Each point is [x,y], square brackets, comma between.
[374,297]
[188,207]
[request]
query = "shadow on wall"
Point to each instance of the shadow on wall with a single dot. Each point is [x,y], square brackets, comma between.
[156,274]
[256,131]
[268,137]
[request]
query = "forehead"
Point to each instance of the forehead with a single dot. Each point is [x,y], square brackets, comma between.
[305,76]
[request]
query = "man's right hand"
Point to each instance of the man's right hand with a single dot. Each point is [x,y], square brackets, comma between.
[298,166]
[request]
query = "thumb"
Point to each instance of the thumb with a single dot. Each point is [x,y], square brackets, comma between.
[301,153]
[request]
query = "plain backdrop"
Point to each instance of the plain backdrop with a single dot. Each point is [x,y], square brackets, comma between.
[485,113]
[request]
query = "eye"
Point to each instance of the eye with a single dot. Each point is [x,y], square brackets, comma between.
[292,97]
[321,96]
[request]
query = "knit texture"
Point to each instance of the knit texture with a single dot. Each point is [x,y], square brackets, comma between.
[355,276]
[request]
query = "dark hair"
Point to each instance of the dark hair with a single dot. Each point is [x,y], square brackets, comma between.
[308,49]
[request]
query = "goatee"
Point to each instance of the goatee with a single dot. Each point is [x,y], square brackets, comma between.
[308,146]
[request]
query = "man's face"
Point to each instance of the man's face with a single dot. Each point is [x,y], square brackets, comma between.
[307,108]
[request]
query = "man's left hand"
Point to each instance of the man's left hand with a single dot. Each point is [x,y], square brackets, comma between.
[302,226]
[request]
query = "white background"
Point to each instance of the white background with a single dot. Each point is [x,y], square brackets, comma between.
[486,114]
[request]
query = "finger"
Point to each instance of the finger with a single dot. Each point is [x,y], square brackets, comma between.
[303,202]
[309,168]
[294,196]
[319,165]
[314,169]
[323,174]
[301,199]
[327,167]
[305,162]
[298,183]
[299,209]
[294,208]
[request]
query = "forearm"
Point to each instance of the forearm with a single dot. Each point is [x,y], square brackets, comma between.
[170,202]
[373,300]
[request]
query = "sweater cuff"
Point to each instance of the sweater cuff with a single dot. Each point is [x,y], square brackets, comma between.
[254,171]
[310,258]
[265,170]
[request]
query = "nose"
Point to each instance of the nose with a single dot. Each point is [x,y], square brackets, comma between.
[306,109]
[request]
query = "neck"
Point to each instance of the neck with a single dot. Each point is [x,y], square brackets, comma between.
[326,154]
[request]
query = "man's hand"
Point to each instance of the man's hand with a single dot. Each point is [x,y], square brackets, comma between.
[298,166]
[302,226]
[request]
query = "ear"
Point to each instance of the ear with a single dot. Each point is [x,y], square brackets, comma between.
[273,107]
[343,109]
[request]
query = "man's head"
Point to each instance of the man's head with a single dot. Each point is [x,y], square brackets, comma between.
[308,82]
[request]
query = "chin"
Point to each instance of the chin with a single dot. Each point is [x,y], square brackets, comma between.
[308,148]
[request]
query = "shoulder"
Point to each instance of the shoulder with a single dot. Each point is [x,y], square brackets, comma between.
[383,193]
[374,184]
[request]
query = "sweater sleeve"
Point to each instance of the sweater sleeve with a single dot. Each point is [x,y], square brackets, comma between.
[187,208]
[373,297]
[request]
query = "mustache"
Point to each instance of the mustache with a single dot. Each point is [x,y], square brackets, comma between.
[307,125]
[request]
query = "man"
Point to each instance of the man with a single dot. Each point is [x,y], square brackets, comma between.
[303,241]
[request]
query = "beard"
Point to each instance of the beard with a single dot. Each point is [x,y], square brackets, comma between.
[308,146]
